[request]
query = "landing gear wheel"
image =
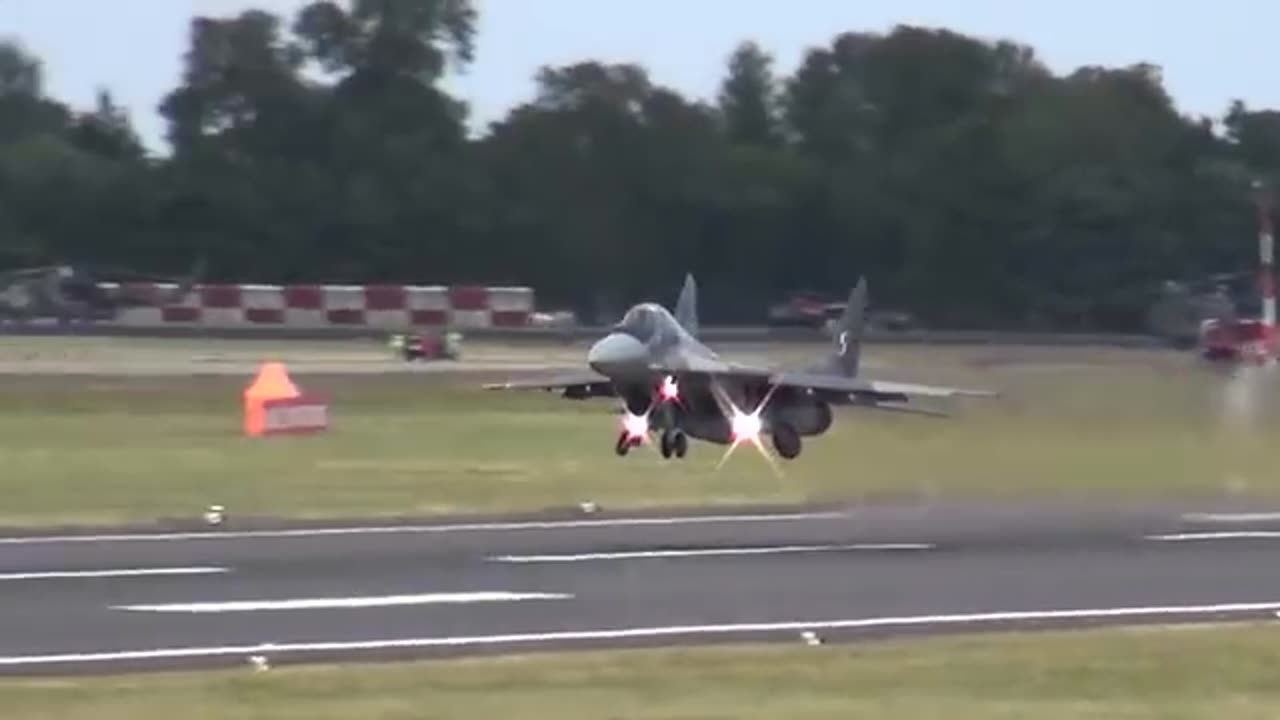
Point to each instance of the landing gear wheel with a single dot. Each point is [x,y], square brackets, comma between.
[674,442]
[786,441]
[623,445]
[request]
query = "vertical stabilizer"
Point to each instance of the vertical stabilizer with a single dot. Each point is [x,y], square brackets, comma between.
[687,306]
[846,341]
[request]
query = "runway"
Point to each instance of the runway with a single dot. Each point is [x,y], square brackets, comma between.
[134,600]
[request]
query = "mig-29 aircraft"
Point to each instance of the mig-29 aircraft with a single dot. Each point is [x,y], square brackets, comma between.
[66,293]
[672,383]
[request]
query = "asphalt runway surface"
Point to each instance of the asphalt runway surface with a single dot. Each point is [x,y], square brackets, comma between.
[115,601]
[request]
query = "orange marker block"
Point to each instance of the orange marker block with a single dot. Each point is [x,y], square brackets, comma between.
[272,383]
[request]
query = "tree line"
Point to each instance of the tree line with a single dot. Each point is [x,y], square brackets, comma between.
[971,185]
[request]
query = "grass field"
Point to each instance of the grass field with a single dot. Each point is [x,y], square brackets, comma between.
[1071,424]
[1176,673]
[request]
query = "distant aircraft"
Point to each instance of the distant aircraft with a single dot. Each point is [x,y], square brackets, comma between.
[672,383]
[68,293]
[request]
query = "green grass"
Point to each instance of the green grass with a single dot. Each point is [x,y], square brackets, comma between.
[1183,673]
[79,449]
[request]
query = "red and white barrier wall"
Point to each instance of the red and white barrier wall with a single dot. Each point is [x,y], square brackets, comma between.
[391,307]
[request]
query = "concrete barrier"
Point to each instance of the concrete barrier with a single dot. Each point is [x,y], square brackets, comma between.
[382,308]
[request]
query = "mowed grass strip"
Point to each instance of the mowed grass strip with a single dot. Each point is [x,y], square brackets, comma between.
[1188,672]
[101,449]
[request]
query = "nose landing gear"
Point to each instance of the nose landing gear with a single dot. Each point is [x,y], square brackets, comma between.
[674,442]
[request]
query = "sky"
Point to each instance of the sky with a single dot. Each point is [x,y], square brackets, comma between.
[1211,53]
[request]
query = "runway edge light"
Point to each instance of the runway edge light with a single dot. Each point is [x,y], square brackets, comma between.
[214,515]
[273,405]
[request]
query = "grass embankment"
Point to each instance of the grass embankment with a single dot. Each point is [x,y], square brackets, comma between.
[108,449]
[1194,672]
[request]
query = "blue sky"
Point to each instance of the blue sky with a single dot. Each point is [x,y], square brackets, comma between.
[1210,52]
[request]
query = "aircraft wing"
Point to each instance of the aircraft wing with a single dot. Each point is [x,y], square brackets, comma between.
[827,382]
[593,383]
[579,378]
[861,386]
[824,382]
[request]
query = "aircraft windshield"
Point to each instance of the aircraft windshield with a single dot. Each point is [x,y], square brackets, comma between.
[640,322]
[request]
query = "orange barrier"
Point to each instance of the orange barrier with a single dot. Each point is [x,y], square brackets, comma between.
[274,405]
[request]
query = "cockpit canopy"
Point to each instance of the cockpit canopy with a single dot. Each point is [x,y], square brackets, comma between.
[645,321]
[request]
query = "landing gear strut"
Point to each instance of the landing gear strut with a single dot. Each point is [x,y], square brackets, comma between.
[674,442]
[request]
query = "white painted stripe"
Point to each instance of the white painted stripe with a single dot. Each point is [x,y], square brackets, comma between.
[704,552]
[1223,535]
[643,632]
[1232,517]
[341,603]
[423,529]
[134,572]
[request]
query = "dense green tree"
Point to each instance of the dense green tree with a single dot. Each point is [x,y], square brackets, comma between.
[1255,137]
[71,183]
[24,109]
[969,183]
[749,98]
[20,73]
[107,131]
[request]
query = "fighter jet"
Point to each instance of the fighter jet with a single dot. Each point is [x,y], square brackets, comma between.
[67,293]
[673,384]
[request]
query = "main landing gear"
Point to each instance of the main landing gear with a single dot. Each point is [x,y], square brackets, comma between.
[671,443]
[786,441]
[626,441]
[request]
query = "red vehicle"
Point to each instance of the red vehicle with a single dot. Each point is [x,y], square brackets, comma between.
[805,308]
[1235,340]
[427,346]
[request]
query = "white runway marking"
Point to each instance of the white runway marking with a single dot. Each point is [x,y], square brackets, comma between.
[341,603]
[1222,535]
[704,552]
[423,529]
[134,572]
[641,632]
[1232,517]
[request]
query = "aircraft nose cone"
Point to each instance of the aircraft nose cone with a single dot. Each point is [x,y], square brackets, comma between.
[616,353]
